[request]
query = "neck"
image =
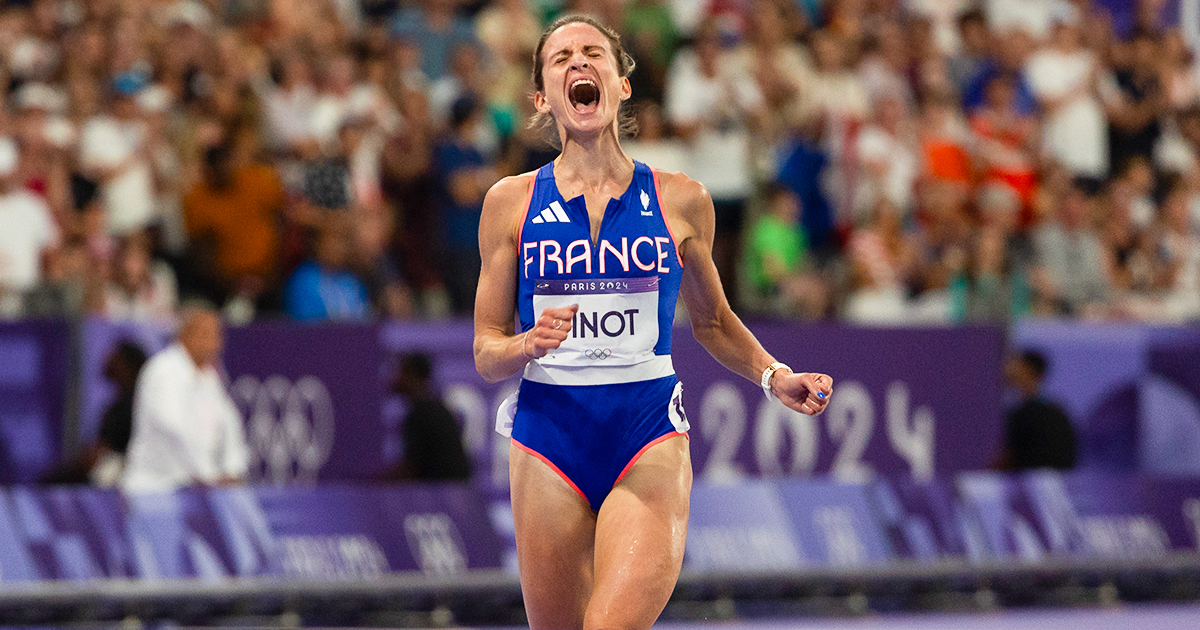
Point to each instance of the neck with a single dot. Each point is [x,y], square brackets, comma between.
[199,362]
[593,161]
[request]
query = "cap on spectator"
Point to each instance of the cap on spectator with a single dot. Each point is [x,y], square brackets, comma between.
[40,96]
[129,83]
[187,13]
[155,99]
[9,155]
[1064,13]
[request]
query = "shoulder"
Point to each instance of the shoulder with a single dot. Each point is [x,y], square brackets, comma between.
[165,363]
[306,272]
[510,193]
[682,193]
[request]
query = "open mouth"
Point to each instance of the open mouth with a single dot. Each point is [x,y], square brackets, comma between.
[584,95]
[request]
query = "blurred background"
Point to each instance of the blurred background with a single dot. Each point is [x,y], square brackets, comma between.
[981,217]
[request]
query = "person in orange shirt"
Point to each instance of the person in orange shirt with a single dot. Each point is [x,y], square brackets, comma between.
[232,220]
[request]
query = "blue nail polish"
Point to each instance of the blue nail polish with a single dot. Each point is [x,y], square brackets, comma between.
[820,394]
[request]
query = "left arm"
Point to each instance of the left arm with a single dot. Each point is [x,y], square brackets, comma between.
[714,323]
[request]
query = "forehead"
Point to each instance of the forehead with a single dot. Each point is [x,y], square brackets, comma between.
[574,36]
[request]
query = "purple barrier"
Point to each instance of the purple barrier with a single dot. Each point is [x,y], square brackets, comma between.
[33,369]
[1132,391]
[906,401]
[325,532]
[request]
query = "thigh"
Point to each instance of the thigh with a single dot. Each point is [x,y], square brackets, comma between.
[555,543]
[640,535]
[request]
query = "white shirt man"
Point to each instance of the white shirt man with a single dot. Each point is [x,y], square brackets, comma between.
[186,429]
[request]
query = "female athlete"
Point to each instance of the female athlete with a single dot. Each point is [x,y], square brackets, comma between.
[591,252]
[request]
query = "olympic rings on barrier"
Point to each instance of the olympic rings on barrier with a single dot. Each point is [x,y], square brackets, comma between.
[597,353]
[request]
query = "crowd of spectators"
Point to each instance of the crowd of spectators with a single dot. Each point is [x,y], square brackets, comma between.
[870,160]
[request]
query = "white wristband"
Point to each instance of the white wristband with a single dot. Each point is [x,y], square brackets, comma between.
[768,373]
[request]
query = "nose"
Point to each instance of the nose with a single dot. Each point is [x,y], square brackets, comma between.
[579,61]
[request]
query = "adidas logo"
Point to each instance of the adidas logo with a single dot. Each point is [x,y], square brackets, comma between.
[553,214]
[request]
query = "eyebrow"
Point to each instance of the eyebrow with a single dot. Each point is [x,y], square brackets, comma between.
[586,49]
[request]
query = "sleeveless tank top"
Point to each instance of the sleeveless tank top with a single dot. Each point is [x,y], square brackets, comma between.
[625,283]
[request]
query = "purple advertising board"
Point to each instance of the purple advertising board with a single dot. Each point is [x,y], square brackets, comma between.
[310,397]
[315,532]
[914,402]
[33,382]
[919,402]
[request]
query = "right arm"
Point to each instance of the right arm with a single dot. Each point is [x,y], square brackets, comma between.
[499,352]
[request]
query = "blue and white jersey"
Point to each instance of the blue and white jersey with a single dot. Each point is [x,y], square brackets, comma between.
[625,283]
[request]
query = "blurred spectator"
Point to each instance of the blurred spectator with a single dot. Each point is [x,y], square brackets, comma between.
[992,285]
[1064,78]
[652,145]
[409,185]
[946,143]
[1181,72]
[140,288]
[102,462]
[45,138]
[778,265]
[968,62]
[1007,139]
[186,429]
[881,260]
[885,69]
[70,285]
[1009,54]
[464,176]
[1137,103]
[1172,249]
[1069,273]
[1038,433]
[114,152]
[28,236]
[435,28]
[651,36]
[1034,18]
[289,97]
[232,218]
[803,166]
[1128,247]
[782,70]
[324,287]
[432,437]
[468,78]
[888,154]
[712,105]
[509,31]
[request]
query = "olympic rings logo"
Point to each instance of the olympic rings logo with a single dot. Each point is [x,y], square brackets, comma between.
[597,353]
[289,426]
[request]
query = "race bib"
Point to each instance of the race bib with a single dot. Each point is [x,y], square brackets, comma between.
[617,321]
